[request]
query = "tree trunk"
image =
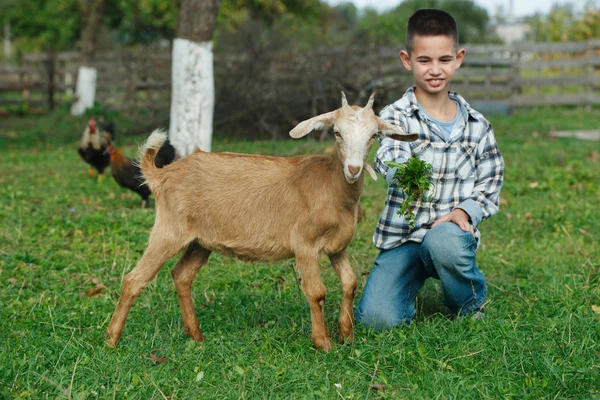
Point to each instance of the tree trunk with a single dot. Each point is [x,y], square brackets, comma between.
[193,92]
[93,12]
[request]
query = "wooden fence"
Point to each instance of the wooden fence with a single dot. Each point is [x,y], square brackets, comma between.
[126,80]
[516,75]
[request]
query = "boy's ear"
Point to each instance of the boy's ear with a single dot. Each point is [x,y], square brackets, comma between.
[460,56]
[405,58]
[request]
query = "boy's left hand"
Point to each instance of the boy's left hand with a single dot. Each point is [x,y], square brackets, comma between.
[460,218]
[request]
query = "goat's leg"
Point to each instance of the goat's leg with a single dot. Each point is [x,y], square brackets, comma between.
[314,290]
[160,249]
[341,264]
[183,274]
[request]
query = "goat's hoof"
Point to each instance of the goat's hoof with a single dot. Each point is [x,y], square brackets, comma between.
[346,333]
[110,340]
[324,344]
[195,334]
[347,339]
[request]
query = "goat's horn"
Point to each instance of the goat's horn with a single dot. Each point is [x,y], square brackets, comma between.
[344,101]
[370,102]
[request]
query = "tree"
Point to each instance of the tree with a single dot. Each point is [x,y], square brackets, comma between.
[192,99]
[389,28]
[349,13]
[42,25]
[141,21]
[87,75]
[193,93]
[588,27]
[562,24]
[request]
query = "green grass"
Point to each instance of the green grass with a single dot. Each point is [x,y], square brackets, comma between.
[63,233]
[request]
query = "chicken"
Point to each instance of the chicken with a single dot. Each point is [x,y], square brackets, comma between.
[92,147]
[127,172]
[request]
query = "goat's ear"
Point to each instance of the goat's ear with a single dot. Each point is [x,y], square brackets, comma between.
[371,171]
[316,123]
[394,132]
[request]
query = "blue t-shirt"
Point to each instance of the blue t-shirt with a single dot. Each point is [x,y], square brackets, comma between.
[446,127]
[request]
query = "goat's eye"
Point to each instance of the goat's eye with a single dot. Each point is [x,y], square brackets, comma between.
[338,134]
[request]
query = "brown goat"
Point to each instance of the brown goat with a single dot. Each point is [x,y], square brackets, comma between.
[261,209]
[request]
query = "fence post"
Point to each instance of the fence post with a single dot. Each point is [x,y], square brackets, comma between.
[24,77]
[7,44]
[49,65]
[127,59]
[514,76]
[488,81]
[589,88]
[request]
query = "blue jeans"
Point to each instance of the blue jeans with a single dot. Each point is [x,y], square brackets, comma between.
[447,253]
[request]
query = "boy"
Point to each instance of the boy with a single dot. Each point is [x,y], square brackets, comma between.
[467,175]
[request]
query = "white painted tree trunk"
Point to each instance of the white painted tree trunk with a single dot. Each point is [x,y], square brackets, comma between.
[85,90]
[192,97]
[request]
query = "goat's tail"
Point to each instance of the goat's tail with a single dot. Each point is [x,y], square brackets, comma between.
[147,155]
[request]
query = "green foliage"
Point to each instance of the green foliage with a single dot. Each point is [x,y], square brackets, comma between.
[270,10]
[390,27]
[41,25]
[261,26]
[63,234]
[141,21]
[563,24]
[348,13]
[413,179]
[56,24]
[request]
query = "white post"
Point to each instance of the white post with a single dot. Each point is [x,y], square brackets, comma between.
[85,91]
[192,96]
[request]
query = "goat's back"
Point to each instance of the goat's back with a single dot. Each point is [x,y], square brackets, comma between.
[256,207]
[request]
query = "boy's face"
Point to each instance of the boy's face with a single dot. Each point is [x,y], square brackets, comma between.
[433,62]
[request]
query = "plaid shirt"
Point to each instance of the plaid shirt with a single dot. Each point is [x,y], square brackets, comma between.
[467,171]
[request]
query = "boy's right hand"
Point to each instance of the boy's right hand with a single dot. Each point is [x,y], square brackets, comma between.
[460,218]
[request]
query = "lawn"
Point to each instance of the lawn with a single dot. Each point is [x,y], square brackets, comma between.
[66,241]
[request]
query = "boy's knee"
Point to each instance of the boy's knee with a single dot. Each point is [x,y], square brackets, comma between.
[446,243]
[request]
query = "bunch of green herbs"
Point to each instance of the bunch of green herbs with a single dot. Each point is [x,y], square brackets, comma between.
[414,180]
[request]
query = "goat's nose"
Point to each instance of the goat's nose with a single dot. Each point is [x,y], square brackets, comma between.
[353,170]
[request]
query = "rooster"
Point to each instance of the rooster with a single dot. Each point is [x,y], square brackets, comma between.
[127,172]
[92,147]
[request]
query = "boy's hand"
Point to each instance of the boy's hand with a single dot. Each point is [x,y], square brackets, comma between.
[460,218]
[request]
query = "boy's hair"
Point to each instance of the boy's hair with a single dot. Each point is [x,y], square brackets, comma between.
[430,22]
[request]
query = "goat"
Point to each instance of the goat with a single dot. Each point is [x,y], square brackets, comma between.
[260,208]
